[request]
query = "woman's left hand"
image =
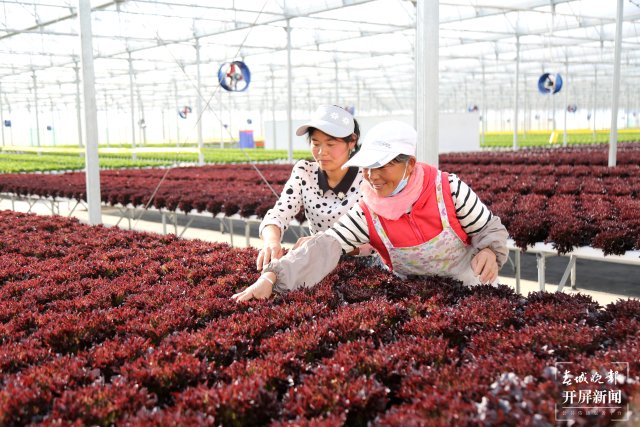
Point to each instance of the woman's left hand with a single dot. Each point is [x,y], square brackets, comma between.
[484,264]
[261,289]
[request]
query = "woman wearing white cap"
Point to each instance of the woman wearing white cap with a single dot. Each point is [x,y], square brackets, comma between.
[420,220]
[323,188]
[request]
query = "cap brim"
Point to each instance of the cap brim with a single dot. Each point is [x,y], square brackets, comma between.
[370,159]
[326,127]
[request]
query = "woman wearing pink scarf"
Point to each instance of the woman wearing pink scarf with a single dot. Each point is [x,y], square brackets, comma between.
[421,221]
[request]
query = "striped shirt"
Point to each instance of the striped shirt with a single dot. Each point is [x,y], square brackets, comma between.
[351,229]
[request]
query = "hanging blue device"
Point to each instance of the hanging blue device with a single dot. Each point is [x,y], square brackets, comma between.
[234,76]
[548,83]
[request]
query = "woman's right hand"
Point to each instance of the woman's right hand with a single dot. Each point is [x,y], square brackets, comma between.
[270,251]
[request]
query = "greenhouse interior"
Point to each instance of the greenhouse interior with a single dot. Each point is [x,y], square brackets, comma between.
[320,213]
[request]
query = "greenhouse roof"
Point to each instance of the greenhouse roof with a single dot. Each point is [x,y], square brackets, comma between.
[351,52]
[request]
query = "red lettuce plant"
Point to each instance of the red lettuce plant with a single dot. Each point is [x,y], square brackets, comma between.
[105,327]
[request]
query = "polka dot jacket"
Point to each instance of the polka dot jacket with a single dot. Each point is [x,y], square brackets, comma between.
[308,188]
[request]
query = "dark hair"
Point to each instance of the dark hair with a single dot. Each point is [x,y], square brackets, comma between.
[348,139]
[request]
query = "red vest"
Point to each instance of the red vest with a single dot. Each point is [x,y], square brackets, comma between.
[422,223]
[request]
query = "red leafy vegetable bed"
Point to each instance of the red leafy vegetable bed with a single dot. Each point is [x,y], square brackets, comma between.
[103,326]
[229,189]
[568,197]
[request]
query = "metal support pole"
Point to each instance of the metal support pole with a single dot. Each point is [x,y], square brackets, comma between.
[526,119]
[164,223]
[518,271]
[90,114]
[570,270]
[53,122]
[133,111]
[595,100]
[141,124]
[78,106]
[357,98]
[1,115]
[199,105]
[221,112]
[289,94]
[230,231]
[541,258]
[106,118]
[483,108]
[615,91]
[273,109]
[515,98]
[337,79]
[35,100]
[566,102]
[427,77]
[175,93]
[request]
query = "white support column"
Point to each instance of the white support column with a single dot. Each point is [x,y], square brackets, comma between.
[141,122]
[90,114]
[337,101]
[483,108]
[230,109]
[500,106]
[615,91]
[78,105]
[35,101]
[53,124]
[628,108]
[289,97]
[566,101]
[1,115]
[199,105]
[273,109]
[466,96]
[179,107]
[427,60]
[525,122]
[164,128]
[106,118]
[221,112]
[515,97]
[553,112]
[132,109]
[357,97]
[541,259]
[595,99]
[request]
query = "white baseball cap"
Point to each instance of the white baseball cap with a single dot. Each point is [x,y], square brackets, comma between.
[331,120]
[383,143]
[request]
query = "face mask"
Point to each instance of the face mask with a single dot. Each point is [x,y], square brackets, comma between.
[403,182]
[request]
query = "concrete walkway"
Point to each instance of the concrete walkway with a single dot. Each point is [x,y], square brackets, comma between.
[112,217]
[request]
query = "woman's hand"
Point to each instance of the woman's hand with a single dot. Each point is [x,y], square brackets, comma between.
[261,289]
[484,264]
[271,250]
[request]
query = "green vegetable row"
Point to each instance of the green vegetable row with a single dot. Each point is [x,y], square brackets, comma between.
[14,161]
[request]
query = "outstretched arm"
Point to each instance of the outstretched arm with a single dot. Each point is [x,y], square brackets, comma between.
[303,267]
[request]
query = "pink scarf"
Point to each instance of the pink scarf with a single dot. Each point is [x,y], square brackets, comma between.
[394,206]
